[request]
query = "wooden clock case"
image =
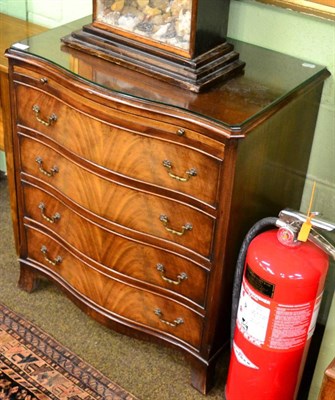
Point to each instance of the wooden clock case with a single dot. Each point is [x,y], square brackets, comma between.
[205,58]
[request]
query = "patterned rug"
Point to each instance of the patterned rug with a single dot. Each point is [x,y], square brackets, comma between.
[34,366]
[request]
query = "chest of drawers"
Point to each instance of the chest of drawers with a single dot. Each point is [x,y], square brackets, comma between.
[135,204]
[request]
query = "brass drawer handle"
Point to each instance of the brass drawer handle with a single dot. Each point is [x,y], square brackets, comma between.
[52,172]
[54,262]
[49,121]
[187,227]
[175,323]
[180,277]
[54,218]
[191,172]
[181,132]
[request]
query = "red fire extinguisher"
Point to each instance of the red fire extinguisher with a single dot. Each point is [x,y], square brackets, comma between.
[278,287]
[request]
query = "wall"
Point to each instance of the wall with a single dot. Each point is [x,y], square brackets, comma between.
[307,37]
[62,11]
[16,8]
[49,13]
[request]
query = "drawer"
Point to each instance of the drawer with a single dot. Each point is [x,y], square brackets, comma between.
[118,253]
[122,146]
[136,210]
[131,304]
[118,108]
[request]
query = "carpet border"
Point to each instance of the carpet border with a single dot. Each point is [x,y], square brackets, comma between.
[30,335]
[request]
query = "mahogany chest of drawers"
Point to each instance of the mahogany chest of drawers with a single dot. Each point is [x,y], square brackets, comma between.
[134,196]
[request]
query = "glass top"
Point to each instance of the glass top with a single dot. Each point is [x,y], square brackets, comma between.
[268,79]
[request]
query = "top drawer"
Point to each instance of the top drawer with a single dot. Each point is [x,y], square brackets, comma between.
[121,143]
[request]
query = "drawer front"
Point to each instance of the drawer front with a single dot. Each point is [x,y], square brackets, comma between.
[135,210]
[78,95]
[128,151]
[128,302]
[134,259]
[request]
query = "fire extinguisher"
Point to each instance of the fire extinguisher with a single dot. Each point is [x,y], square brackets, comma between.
[278,286]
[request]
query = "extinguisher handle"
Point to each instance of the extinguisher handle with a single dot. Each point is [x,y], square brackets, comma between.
[292,221]
[322,242]
[291,216]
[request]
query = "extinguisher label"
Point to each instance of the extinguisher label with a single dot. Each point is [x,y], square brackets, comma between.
[269,324]
[253,315]
[290,325]
[258,283]
[315,315]
[242,358]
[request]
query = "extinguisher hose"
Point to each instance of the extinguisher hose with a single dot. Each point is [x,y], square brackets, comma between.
[260,226]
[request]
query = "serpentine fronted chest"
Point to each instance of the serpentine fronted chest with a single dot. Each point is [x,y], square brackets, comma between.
[134,196]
